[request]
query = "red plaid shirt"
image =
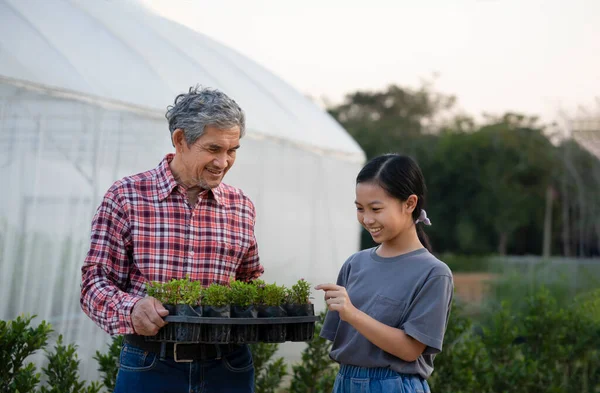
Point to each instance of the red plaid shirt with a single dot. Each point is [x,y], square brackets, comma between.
[144,230]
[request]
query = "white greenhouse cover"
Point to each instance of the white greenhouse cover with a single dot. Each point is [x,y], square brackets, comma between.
[84,85]
[121,51]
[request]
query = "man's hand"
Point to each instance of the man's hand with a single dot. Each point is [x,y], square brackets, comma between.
[338,300]
[147,316]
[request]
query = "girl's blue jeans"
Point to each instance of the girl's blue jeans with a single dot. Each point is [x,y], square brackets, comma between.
[353,379]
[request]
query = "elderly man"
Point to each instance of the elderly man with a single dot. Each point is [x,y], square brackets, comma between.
[174,220]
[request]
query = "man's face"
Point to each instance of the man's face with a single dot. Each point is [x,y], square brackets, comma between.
[207,160]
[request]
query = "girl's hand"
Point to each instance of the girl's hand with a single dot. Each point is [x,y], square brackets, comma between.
[338,300]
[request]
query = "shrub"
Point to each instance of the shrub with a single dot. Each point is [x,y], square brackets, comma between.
[268,372]
[18,341]
[316,372]
[109,363]
[62,371]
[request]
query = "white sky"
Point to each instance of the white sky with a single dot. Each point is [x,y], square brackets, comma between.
[532,56]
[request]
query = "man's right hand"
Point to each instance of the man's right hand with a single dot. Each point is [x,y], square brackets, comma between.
[147,316]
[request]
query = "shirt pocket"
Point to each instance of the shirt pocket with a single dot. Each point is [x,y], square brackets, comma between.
[228,257]
[386,310]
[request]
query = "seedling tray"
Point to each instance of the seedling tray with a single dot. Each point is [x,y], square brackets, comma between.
[241,321]
[236,330]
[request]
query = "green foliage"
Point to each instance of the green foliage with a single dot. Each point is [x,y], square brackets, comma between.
[299,293]
[268,372]
[390,118]
[242,293]
[157,290]
[271,295]
[183,291]
[464,363]
[493,176]
[316,372]
[109,363]
[466,263]
[63,371]
[539,344]
[18,340]
[191,292]
[216,295]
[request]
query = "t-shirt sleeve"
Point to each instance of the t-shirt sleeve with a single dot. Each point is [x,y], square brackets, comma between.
[332,318]
[427,315]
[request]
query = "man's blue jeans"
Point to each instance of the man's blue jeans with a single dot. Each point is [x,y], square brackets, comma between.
[143,371]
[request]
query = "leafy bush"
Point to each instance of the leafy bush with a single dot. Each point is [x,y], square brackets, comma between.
[466,263]
[268,372]
[316,372]
[530,346]
[62,371]
[109,363]
[18,341]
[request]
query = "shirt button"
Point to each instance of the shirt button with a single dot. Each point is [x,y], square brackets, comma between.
[191,253]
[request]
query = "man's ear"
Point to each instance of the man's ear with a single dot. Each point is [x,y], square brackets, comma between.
[411,203]
[178,139]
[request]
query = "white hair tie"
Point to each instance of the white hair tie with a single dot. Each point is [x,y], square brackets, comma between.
[423,218]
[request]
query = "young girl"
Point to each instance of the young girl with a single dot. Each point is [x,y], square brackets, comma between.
[388,312]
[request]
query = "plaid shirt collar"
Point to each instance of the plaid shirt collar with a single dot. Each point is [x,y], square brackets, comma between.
[166,183]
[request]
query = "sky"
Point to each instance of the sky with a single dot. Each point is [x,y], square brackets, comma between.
[539,57]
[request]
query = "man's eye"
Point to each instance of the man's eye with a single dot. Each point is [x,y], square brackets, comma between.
[359,209]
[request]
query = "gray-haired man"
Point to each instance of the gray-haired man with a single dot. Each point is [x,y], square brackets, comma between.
[174,220]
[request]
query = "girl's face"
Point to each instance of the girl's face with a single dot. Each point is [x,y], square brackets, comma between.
[385,217]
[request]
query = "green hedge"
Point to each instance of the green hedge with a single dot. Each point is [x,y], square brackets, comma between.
[531,342]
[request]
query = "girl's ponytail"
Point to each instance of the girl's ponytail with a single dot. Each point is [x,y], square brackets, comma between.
[423,237]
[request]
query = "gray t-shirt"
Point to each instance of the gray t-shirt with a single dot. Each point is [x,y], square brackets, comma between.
[412,292]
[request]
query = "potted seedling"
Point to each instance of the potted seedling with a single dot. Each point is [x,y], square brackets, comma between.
[243,296]
[157,290]
[299,305]
[180,298]
[270,300]
[172,294]
[215,304]
[189,298]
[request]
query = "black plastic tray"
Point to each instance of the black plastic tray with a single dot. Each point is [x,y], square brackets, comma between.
[241,321]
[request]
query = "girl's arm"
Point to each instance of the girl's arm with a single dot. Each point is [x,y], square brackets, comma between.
[389,339]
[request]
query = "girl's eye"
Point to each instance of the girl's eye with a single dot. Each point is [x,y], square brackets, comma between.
[376,209]
[359,209]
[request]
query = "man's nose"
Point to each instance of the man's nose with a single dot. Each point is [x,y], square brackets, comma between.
[221,161]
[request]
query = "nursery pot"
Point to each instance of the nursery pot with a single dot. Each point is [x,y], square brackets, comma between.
[244,334]
[170,308]
[185,310]
[271,333]
[216,333]
[303,331]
